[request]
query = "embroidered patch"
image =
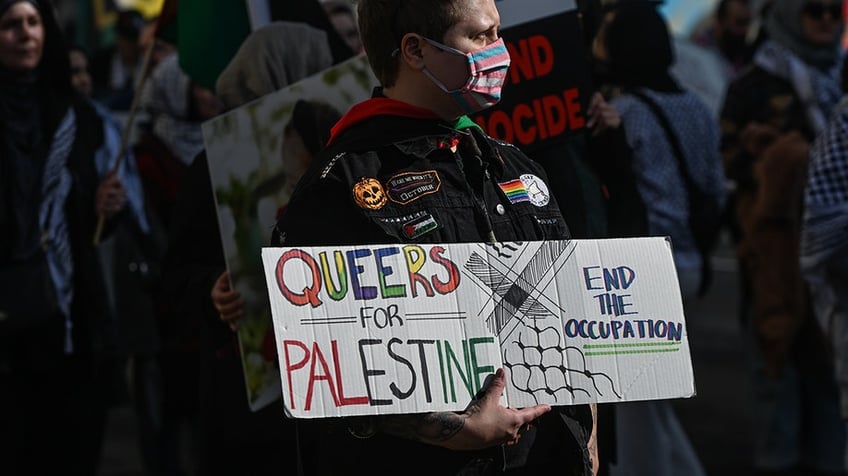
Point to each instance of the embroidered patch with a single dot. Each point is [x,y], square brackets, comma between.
[420,226]
[408,187]
[515,191]
[369,194]
[537,190]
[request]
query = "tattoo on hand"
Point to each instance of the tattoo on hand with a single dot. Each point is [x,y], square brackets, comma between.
[427,427]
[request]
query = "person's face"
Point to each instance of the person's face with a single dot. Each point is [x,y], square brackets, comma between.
[161,50]
[737,20]
[345,25]
[478,27]
[21,37]
[80,77]
[128,49]
[206,104]
[599,45]
[821,21]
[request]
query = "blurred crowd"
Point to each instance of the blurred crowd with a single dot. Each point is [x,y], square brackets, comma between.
[113,287]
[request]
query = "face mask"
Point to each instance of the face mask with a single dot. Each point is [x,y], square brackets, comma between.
[488,67]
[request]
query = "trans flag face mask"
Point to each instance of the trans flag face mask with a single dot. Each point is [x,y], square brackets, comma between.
[487,74]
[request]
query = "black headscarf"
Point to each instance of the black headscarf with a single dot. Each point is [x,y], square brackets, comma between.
[313,120]
[639,48]
[52,78]
[31,105]
[5,4]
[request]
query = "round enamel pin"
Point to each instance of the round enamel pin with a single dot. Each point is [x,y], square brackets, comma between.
[369,194]
[537,190]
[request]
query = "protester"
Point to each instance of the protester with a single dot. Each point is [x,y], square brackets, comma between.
[710,57]
[420,51]
[675,143]
[126,257]
[770,116]
[610,157]
[176,108]
[824,236]
[342,17]
[80,73]
[306,133]
[231,438]
[727,35]
[598,198]
[54,390]
[168,142]
[117,70]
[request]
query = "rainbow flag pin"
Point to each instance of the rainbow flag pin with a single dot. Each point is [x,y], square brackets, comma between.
[515,191]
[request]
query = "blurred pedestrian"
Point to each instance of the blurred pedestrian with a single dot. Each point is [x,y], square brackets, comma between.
[674,140]
[117,70]
[728,35]
[80,72]
[824,236]
[231,438]
[771,114]
[54,389]
[171,139]
[343,19]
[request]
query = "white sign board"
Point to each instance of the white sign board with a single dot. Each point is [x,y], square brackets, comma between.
[408,328]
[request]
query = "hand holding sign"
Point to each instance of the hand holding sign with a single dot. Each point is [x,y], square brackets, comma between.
[488,423]
[484,423]
[227,301]
[111,196]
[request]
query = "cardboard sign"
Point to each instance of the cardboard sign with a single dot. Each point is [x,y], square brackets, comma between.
[250,167]
[407,328]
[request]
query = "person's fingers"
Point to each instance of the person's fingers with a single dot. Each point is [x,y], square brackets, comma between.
[232,317]
[493,388]
[531,413]
[222,283]
[225,297]
[230,307]
[596,101]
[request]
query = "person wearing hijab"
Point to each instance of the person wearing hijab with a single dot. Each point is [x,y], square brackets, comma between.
[306,133]
[771,115]
[116,70]
[170,138]
[266,62]
[232,438]
[667,128]
[54,331]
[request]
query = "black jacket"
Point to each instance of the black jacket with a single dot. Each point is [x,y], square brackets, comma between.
[419,176]
[393,179]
